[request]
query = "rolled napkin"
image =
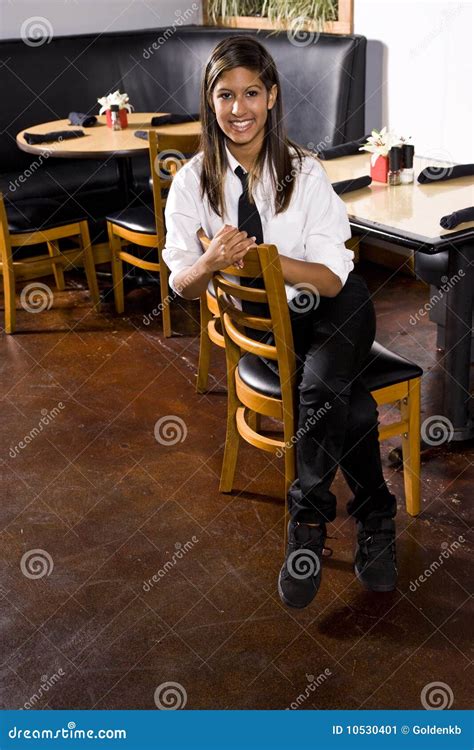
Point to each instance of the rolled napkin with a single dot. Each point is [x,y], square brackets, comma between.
[173,119]
[439,173]
[82,119]
[141,134]
[457,217]
[345,149]
[346,186]
[57,135]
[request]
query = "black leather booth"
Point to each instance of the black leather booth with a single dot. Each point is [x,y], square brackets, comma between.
[323,87]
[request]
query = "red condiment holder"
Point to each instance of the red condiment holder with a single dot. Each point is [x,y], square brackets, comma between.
[379,170]
[122,113]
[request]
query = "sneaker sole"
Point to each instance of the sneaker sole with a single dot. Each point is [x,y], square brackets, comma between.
[379,589]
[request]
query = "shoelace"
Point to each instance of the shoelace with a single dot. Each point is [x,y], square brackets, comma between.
[382,544]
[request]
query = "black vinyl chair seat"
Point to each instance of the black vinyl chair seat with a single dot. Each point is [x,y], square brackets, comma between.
[384,368]
[39,214]
[136,219]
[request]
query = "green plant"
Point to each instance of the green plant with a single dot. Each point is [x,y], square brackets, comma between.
[294,12]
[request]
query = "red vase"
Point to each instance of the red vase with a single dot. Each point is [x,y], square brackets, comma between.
[122,117]
[379,170]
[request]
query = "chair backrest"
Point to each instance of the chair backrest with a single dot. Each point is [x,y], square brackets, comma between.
[167,154]
[263,263]
[5,243]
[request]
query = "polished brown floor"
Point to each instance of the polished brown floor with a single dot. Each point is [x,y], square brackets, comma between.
[109,497]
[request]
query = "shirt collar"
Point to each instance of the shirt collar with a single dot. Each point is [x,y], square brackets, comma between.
[233,163]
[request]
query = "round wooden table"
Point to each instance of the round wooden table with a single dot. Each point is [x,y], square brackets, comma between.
[101,142]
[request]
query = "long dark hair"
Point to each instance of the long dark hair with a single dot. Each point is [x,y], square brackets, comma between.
[245,52]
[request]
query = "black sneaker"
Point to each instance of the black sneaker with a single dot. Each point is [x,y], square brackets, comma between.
[300,575]
[375,562]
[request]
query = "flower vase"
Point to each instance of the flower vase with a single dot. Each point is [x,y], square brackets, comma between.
[379,170]
[122,113]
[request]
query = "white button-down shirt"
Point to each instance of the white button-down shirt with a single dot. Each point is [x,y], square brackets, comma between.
[314,227]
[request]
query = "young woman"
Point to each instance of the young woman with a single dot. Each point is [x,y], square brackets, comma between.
[250,176]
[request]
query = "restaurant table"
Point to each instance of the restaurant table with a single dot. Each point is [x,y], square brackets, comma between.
[101,142]
[409,215]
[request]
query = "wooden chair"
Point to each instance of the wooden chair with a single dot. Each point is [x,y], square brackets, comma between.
[17,231]
[253,388]
[211,330]
[144,225]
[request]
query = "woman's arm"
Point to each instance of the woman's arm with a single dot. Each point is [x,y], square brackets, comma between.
[316,275]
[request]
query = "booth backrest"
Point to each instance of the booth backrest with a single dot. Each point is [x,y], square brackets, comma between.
[323,82]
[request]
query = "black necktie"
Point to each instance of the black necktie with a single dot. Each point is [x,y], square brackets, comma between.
[248,217]
[249,221]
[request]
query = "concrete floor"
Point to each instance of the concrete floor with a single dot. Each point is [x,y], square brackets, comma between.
[107,506]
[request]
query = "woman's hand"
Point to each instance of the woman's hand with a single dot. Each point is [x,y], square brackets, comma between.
[228,247]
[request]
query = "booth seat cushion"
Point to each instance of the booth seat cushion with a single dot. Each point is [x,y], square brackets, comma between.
[384,368]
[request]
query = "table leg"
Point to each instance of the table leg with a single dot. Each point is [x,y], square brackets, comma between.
[457,398]
[124,165]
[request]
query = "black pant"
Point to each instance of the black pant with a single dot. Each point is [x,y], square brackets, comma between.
[337,415]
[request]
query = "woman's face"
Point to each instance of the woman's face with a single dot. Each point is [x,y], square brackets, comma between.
[241,103]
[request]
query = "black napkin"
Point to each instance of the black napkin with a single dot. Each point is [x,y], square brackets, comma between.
[439,173]
[345,149]
[141,134]
[346,186]
[64,135]
[457,217]
[82,119]
[173,119]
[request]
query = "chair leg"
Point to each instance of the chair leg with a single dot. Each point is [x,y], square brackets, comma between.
[205,345]
[9,297]
[117,268]
[58,270]
[89,265]
[232,438]
[253,420]
[410,410]
[165,297]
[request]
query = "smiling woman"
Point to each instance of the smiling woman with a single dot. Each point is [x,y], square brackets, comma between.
[251,184]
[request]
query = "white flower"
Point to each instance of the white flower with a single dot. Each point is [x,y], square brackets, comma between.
[379,144]
[115,98]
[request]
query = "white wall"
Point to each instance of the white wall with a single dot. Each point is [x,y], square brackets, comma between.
[58,17]
[419,72]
